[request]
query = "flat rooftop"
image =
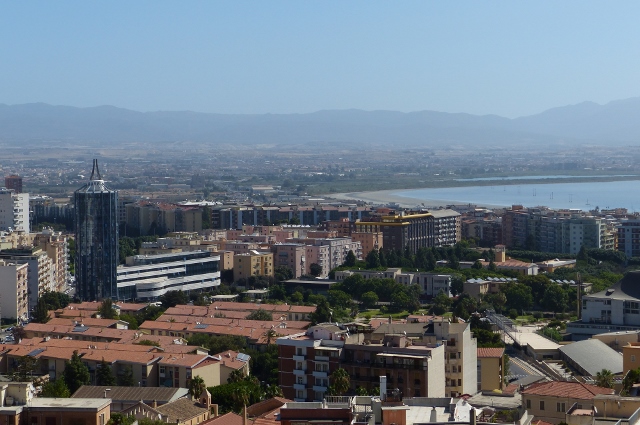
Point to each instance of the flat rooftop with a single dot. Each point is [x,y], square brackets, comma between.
[69,403]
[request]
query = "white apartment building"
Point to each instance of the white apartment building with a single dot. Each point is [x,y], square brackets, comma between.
[14,302]
[14,211]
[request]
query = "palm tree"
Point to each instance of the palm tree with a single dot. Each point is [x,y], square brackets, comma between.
[196,386]
[604,378]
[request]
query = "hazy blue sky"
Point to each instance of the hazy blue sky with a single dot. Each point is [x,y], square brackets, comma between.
[510,58]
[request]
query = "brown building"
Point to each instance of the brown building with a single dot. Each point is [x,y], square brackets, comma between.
[306,362]
[13,182]
[414,231]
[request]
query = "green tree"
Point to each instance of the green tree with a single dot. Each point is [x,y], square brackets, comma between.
[24,369]
[41,315]
[120,419]
[519,296]
[632,377]
[283,273]
[604,378]
[369,299]
[196,386]
[350,260]
[126,378]
[104,374]
[338,298]
[441,304]
[315,269]
[373,259]
[454,263]
[340,382]
[56,388]
[273,391]
[383,258]
[76,374]
[322,313]
[173,298]
[131,319]
[260,314]
[55,300]
[555,298]
[106,309]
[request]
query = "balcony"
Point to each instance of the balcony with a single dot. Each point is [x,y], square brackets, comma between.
[322,358]
[299,358]
[299,372]
[319,374]
[319,388]
[299,386]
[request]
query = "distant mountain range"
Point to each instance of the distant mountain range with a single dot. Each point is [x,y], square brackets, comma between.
[617,122]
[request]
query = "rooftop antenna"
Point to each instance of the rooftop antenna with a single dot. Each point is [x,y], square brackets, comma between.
[95,173]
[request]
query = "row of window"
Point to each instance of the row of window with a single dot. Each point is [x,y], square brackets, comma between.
[560,407]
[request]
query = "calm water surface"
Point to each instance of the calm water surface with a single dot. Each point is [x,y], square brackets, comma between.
[584,196]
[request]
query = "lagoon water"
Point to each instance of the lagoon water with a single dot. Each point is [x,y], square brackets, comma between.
[583,196]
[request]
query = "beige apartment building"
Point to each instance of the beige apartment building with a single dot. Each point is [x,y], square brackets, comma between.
[369,241]
[56,246]
[14,289]
[252,264]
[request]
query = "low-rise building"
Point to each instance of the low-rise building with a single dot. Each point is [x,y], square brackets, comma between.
[549,401]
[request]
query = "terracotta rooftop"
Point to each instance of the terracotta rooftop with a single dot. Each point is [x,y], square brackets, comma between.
[181,410]
[226,419]
[230,360]
[490,352]
[576,390]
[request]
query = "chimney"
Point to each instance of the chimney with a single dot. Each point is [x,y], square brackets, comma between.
[433,417]
[154,403]
[472,416]
[383,388]
[214,410]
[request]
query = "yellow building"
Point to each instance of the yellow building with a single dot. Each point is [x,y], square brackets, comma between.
[252,264]
[491,365]
[630,357]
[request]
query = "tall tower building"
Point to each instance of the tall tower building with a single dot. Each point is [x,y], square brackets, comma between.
[96,220]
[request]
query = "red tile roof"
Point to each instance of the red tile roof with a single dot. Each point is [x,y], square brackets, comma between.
[228,419]
[575,390]
[490,352]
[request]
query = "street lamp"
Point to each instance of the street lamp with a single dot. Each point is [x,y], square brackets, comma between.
[105,392]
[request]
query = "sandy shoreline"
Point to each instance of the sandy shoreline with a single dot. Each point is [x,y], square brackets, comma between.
[384,197]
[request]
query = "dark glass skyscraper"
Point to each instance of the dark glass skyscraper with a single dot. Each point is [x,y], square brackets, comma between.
[96,220]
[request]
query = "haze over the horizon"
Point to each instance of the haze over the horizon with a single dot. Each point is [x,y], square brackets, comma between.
[506,58]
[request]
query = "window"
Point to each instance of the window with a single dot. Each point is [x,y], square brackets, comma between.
[560,407]
[541,405]
[633,358]
[528,404]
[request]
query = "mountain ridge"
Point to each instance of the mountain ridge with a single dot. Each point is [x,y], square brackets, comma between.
[613,122]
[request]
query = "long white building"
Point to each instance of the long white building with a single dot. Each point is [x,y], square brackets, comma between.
[150,276]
